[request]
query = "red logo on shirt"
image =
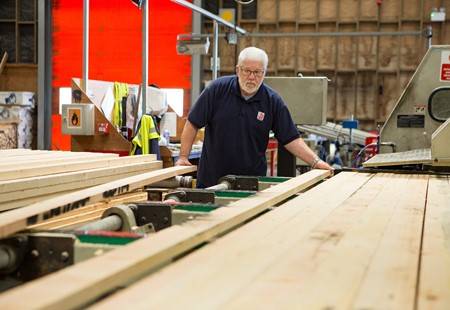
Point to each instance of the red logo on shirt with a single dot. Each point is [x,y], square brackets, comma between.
[260,116]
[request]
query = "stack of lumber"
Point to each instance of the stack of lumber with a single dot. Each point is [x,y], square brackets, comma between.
[28,177]
[355,241]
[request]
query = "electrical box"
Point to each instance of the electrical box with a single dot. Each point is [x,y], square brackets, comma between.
[306,97]
[78,119]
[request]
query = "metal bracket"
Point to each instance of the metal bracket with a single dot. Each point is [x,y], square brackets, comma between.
[238,182]
[192,195]
[158,214]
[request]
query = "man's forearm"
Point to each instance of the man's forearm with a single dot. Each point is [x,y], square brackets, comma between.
[187,139]
[299,148]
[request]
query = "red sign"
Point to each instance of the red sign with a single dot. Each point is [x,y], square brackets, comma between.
[445,72]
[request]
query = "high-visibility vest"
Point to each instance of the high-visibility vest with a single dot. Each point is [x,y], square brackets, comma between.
[145,133]
[120,91]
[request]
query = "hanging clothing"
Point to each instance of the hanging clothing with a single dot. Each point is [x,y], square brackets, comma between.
[147,137]
[120,91]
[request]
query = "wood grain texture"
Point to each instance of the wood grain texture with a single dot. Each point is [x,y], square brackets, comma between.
[16,220]
[92,278]
[434,286]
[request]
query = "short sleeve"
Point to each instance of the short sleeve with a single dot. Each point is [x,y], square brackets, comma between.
[201,111]
[283,125]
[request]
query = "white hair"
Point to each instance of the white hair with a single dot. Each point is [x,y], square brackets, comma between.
[253,53]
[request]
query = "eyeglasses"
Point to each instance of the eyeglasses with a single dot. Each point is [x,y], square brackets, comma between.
[246,72]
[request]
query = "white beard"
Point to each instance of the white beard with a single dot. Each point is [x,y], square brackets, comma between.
[249,88]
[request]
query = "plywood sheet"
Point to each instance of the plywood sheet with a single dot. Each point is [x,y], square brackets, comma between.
[286,48]
[409,47]
[366,96]
[306,46]
[267,11]
[369,10]
[269,44]
[307,11]
[345,96]
[388,89]
[411,9]
[348,10]
[347,48]
[390,10]
[326,49]
[388,56]
[328,10]
[288,10]
[367,47]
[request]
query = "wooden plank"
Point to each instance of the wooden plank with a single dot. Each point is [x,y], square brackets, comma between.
[16,220]
[68,177]
[390,11]
[391,279]
[88,213]
[92,278]
[388,49]
[25,161]
[252,248]
[388,94]
[82,183]
[434,285]
[410,53]
[46,169]
[269,45]
[411,9]
[316,258]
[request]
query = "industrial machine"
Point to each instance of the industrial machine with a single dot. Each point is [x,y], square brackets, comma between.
[418,126]
[306,98]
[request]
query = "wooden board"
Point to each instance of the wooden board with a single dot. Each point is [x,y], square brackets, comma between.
[307,11]
[345,96]
[16,220]
[254,247]
[414,157]
[306,56]
[92,278]
[326,49]
[367,47]
[39,169]
[69,177]
[434,287]
[267,11]
[366,96]
[319,254]
[61,187]
[348,10]
[288,10]
[347,48]
[286,49]
[327,10]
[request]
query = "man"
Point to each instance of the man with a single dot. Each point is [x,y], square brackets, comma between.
[238,112]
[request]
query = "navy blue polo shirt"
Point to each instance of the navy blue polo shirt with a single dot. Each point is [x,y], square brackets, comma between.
[237,130]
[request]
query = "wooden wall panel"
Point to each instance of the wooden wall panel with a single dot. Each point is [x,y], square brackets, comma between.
[345,96]
[389,93]
[269,44]
[347,47]
[326,49]
[327,10]
[331,100]
[366,96]
[307,11]
[348,10]
[367,48]
[286,49]
[19,78]
[390,10]
[288,10]
[410,47]
[411,9]
[388,59]
[306,47]
[369,10]
[245,41]
[267,11]
[227,56]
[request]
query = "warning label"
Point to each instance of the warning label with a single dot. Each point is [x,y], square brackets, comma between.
[74,118]
[445,66]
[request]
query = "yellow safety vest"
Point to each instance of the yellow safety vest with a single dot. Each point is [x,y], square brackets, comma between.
[146,132]
[120,91]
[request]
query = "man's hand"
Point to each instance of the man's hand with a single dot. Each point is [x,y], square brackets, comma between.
[183,161]
[323,165]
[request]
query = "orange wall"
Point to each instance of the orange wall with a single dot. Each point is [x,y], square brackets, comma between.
[115,46]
